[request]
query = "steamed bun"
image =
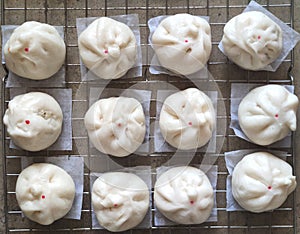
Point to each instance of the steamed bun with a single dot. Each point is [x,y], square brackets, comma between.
[33,120]
[187,119]
[184,195]
[116,125]
[108,48]
[252,40]
[120,200]
[268,113]
[35,51]
[45,192]
[262,182]
[182,43]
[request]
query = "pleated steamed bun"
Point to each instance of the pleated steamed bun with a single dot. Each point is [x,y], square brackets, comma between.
[182,43]
[116,125]
[187,119]
[268,113]
[120,200]
[45,192]
[108,48]
[184,195]
[35,51]
[252,40]
[33,120]
[262,182]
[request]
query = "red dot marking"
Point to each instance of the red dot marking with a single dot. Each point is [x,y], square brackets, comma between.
[26,49]
[186,41]
[192,202]
[27,121]
[269,187]
[276,116]
[258,37]
[115,205]
[105,51]
[119,125]
[190,123]
[43,196]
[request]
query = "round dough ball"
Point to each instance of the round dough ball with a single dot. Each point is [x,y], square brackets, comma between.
[33,120]
[184,195]
[116,125]
[187,119]
[35,51]
[120,200]
[182,43]
[252,40]
[45,192]
[268,113]
[108,48]
[262,182]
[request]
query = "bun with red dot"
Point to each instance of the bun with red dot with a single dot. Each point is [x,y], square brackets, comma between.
[35,51]
[45,192]
[252,40]
[182,43]
[120,200]
[33,120]
[262,182]
[187,119]
[184,195]
[268,113]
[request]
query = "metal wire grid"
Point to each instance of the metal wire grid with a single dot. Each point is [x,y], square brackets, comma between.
[65,13]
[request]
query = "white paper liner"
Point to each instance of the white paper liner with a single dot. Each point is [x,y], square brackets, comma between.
[64,98]
[73,165]
[156,67]
[289,36]
[211,172]
[232,159]
[132,21]
[144,172]
[238,92]
[13,80]
[143,96]
[160,144]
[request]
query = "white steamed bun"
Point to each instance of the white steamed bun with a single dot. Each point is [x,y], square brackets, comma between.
[268,113]
[35,51]
[120,200]
[252,40]
[187,119]
[33,120]
[116,125]
[184,195]
[108,48]
[182,43]
[262,182]
[45,192]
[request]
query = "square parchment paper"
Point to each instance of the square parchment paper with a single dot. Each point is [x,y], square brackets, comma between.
[13,80]
[64,99]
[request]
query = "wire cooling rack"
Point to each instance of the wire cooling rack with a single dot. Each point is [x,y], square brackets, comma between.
[64,13]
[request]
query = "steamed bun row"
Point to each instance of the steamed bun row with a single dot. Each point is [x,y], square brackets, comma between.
[182,44]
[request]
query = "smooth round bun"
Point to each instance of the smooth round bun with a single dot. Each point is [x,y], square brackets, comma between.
[45,192]
[33,120]
[116,125]
[252,40]
[108,48]
[184,195]
[120,200]
[182,43]
[187,119]
[268,113]
[262,182]
[35,51]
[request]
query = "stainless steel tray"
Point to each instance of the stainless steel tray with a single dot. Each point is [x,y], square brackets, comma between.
[282,220]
